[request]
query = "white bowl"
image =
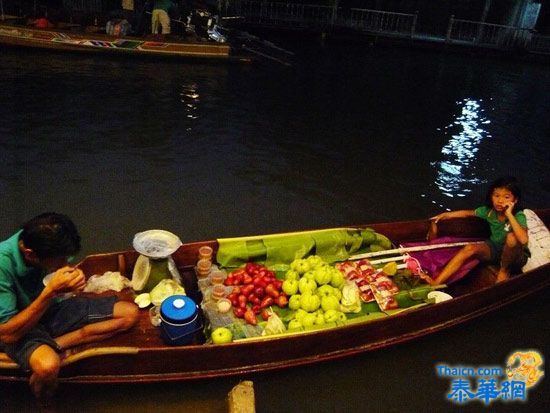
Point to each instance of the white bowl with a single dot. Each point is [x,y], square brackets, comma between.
[156,243]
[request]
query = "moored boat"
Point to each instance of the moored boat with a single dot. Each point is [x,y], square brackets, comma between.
[98,43]
[141,355]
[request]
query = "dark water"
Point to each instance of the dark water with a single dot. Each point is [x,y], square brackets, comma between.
[348,135]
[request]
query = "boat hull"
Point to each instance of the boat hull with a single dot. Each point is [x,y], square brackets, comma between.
[140,355]
[61,41]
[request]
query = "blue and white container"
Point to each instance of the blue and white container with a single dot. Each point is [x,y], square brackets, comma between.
[179,320]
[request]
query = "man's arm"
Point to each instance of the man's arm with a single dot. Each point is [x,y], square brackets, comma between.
[65,280]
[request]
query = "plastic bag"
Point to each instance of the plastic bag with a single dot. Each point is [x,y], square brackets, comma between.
[164,289]
[274,325]
[108,281]
[351,300]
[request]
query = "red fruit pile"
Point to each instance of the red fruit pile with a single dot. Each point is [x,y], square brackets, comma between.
[255,289]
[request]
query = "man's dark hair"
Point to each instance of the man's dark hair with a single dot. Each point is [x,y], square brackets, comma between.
[51,235]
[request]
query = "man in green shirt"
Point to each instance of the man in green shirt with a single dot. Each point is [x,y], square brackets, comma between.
[36,325]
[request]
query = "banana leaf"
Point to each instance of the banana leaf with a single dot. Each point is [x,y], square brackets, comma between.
[332,245]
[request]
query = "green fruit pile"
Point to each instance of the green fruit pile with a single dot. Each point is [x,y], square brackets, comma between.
[314,290]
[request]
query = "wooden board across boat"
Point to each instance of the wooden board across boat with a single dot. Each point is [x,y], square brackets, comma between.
[141,356]
[97,43]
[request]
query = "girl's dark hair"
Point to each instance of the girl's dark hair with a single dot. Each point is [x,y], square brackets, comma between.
[51,235]
[511,184]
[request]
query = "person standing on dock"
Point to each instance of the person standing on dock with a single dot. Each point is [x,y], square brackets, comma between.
[161,17]
[128,11]
[37,320]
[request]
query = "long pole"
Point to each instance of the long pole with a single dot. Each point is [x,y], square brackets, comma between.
[404,250]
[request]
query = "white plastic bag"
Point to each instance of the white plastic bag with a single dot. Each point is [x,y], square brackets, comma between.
[351,299]
[108,281]
[164,289]
[274,325]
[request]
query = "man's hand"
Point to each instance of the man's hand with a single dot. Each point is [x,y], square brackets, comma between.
[67,279]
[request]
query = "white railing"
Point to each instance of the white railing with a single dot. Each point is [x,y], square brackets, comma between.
[255,11]
[277,12]
[539,44]
[486,34]
[381,21]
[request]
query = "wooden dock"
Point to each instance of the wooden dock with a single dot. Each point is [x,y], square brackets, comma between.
[383,24]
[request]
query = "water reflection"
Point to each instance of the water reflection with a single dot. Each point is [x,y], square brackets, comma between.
[190,98]
[456,172]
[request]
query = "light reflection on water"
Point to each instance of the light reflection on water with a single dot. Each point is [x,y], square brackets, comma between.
[456,171]
[214,151]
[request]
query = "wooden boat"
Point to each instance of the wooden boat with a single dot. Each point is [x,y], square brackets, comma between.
[67,41]
[141,356]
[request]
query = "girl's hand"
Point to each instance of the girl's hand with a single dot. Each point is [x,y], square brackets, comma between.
[509,208]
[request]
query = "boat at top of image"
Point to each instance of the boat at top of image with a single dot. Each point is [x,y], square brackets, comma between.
[395,305]
[60,40]
[202,36]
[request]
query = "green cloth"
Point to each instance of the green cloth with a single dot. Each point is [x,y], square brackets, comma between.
[19,284]
[272,250]
[499,229]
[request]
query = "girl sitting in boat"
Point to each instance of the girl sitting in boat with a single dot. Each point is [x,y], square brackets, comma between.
[507,244]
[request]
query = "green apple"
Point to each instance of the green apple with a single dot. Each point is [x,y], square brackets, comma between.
[290,287]
[294,301]
[314,261]
[323,275]
[319,319]
[337,279]
[306,285]
[325,290]
[294,324]
[342,317]
[222,335]
[299,314]
[330,302]
[308,320]
[331,316]
[292,275]
[310,275]
[310,302]
[300,265]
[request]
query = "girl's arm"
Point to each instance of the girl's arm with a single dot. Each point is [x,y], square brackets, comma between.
[464,213]
[432,232]
[519,231]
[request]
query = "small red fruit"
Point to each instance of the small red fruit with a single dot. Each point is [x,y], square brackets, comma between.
[265,314]
[250,317]
[282,301]
[247,289]
[256,308]
[239,312]
[242,301]
[266,302]
[272,291]
[260,292]
[250,267]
